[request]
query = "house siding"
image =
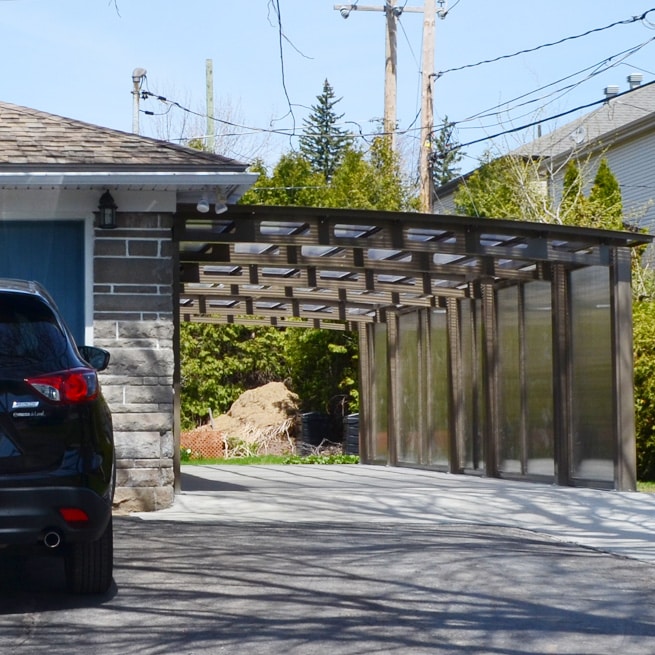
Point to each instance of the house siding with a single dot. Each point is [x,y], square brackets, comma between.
[133,319]
[631,163]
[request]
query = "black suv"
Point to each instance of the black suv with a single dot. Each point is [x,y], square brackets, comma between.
[57,462]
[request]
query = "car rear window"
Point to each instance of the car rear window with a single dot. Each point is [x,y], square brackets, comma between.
[30,334]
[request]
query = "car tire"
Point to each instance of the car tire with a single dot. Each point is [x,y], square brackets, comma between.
[89,566]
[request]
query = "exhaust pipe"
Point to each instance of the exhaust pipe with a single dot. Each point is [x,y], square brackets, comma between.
[52,539]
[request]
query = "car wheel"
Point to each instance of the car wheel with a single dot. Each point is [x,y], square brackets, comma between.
[89,566]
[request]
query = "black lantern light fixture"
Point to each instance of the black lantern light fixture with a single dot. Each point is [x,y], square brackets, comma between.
[107,212]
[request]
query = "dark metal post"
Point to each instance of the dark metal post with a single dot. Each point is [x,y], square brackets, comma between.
[561,375]
[625,476]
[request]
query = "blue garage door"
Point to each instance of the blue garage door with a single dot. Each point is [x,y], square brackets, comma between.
[51,252]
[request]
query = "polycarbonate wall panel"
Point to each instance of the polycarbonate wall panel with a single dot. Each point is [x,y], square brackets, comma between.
[467,379]
[480,391]
[592,389]
[439,389]
[409,391]
[538,360]
[379,446]
[510,446]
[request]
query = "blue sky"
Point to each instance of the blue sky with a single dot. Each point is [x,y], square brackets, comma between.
[75,58]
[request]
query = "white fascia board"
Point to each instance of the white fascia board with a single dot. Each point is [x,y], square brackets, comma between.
[26,202]
[142,180]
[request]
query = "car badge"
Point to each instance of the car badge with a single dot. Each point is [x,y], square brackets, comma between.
[24,404]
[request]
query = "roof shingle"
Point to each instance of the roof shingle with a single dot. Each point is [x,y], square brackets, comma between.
[34,139]
[597,126]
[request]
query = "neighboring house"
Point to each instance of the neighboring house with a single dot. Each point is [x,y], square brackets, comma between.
[621,129]
[115,286]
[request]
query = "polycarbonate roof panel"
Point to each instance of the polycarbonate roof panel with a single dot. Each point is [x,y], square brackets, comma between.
[259,263]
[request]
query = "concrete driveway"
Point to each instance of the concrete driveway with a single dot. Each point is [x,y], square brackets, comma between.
[350,560]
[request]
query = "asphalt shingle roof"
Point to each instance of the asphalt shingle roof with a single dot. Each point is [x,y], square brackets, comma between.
[597,126]
[34,139]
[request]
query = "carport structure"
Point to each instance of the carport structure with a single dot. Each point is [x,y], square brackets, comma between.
[489,347]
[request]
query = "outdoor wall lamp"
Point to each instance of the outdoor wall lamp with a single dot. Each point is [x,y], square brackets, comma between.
[203,204]
[107,212]
[220,207]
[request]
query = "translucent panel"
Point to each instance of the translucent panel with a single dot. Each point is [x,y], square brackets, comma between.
[253,248]
[592,407]
[409,392]
[283,227]
[321,251]
[481,390]
[335,275]
[379,447]
[395,279]
[538,359]
[354,231]
[467,456]
[509,383]
[385,253]
[424,234]
[221,270]
[439,390]
[279,272]
[441,258]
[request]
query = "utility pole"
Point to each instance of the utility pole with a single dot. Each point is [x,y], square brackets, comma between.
[393,12]
[211,125]
[427,111]
[390,72]
[137,80]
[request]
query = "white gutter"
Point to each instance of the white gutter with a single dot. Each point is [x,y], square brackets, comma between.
[170,180]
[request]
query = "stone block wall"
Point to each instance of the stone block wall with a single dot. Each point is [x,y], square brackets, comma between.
[133,320]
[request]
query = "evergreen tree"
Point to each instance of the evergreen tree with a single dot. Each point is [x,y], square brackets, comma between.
[445,155]
[323,143]
[573,204]
[370,180]
[601,208]
[605,199]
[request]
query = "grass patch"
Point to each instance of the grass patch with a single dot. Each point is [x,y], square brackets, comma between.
[646,487]
[239,461]
[278,459]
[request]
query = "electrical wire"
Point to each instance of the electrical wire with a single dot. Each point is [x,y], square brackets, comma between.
[246,128]
[526,126]
[488,113]
[278,12]
[627,21]
[597,69]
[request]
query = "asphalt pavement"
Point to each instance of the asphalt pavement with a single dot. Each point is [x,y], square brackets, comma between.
[614,522]
[349,560]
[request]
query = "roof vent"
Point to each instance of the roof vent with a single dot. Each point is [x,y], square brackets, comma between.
[634,80]
[611,91]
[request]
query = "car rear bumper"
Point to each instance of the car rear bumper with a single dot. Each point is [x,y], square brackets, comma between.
[28,515]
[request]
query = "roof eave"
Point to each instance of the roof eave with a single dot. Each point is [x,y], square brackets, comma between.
[171,180]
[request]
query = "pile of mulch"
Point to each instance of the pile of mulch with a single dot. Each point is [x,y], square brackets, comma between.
[262,421]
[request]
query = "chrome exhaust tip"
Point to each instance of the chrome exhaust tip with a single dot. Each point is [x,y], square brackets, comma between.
[52,539]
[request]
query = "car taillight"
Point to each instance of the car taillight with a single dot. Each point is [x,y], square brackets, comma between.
[73,515]
[75,386]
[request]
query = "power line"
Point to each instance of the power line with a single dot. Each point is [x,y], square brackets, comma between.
[528,125]
[292,132]
[627,21]
[597,69]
